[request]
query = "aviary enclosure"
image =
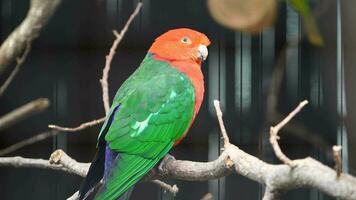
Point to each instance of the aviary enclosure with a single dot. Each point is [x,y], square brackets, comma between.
[266,57]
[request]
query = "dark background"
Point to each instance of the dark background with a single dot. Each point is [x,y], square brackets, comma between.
[66,61]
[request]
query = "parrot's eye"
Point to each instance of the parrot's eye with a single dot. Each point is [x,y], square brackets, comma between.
[186,40]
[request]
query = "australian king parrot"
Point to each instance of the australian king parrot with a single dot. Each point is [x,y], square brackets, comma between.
[151,113]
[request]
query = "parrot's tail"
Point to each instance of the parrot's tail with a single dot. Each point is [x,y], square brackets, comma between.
[92,183]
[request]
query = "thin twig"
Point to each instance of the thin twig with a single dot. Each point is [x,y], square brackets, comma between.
[172,189]
[110,56]
[29,141]
[274,134]
[23,112]
[221,122]
[337,159]
[19,62]
[78,128]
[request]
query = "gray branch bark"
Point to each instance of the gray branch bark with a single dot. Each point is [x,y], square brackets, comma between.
[308,172]
[37,17]
[23,112]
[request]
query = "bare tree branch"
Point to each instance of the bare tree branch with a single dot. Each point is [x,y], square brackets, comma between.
[19,62]
[37,17]
[172,189]
[20,162]
[337,159]
[80,127]
[23,112]
[274,135]
[221,122]
[104,79]
[270,195]
[29,141]
[307,172]
[207,196]
[59,157]
[119,36]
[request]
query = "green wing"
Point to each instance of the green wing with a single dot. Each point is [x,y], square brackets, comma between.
[155,109]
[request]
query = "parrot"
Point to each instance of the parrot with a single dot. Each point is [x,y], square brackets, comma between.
[151,113]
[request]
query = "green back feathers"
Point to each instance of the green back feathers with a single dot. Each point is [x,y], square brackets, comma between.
[156,109]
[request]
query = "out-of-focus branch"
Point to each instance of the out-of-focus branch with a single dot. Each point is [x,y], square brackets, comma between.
[29,141]
[37,17]
[274,134]
[78,128]
[23,112]
[110,56]
[19,62]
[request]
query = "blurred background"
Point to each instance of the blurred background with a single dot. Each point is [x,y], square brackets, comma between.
[302,53]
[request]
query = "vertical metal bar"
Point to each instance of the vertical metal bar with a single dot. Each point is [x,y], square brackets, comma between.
[268,59]
[6,13]
[246,74]
[341,100]
[238,72]
[213,77]
[222,97]
[113,11]
[62,111]
[243,82]
[292,55]
[146,16]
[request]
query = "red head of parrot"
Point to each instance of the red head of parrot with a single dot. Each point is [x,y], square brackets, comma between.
[181,44]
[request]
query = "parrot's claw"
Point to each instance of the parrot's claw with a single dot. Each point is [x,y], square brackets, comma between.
[167,158]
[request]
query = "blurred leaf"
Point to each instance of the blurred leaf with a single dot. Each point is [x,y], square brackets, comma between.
[303,8]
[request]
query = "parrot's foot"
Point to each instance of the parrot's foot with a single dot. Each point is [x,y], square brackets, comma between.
[167,158]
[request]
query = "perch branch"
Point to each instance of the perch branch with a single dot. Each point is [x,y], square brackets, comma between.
[110,56]
[307,172]
[23,112]
[274,134]
[29,141]
[19,62]
[37,17]
[337,159]
[78,128]
[270,194]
